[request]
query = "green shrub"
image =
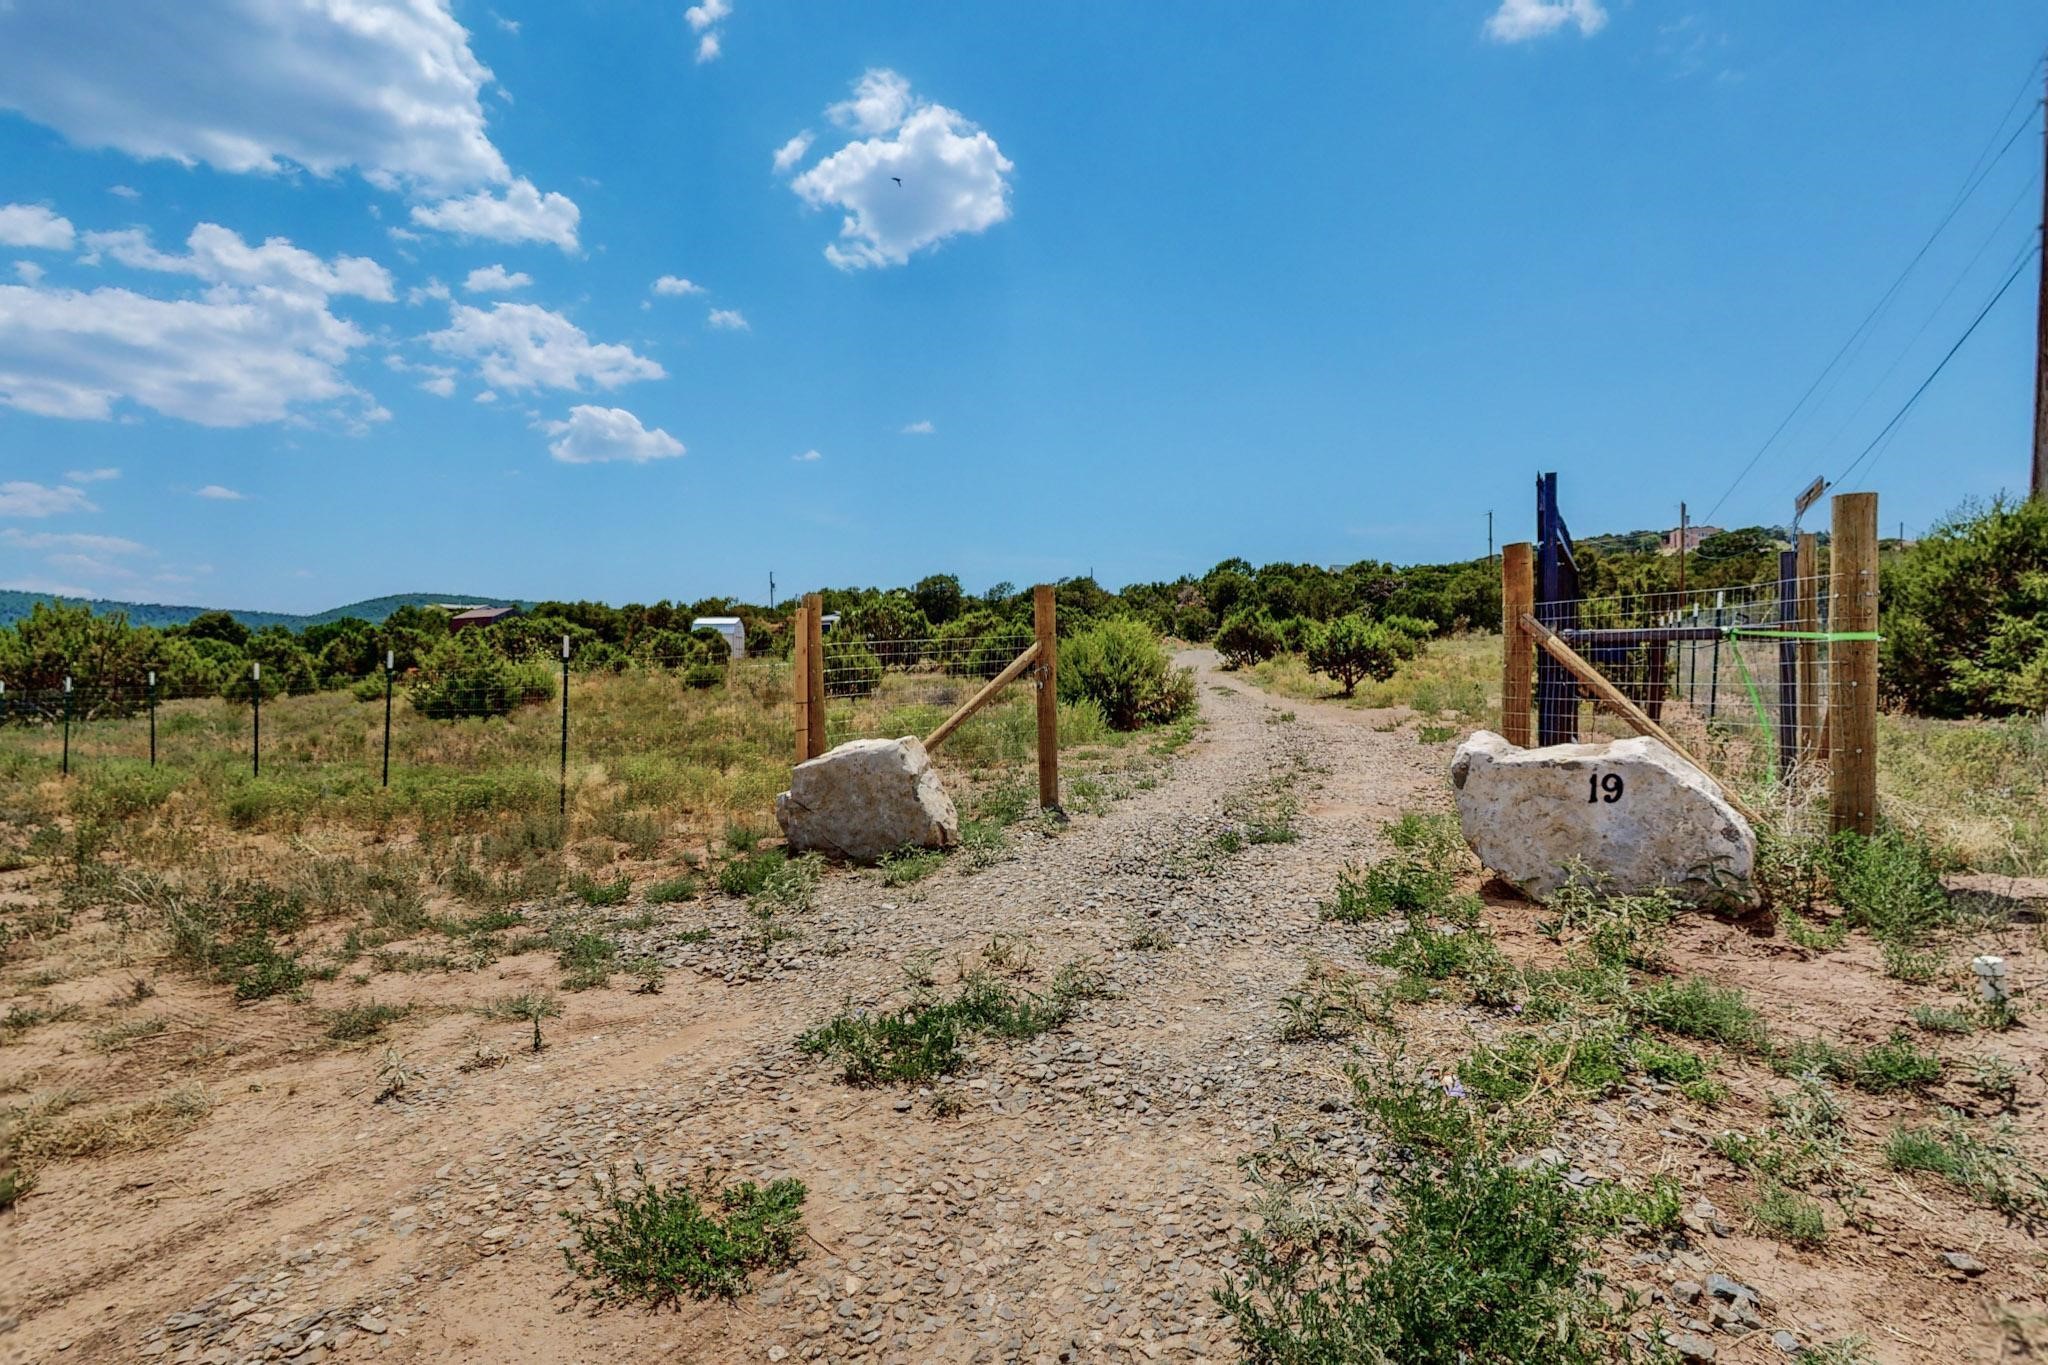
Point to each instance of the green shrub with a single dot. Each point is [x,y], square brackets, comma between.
[465,675]
[1889,884]
[745,876]
[851,668]
[354,1023]
[684,886]
[1247,637]
[1351,649]
[1696,1008]
[1484,1260]
[1120,665]
[596,893]
[1966,614]
[656,1243]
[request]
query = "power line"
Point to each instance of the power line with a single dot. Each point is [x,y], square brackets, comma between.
[1932,314]
[1979,170]
[1907,407]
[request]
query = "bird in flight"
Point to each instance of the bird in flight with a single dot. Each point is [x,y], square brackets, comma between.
[899,181]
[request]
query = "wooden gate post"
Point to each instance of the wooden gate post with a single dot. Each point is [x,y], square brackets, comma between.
[1045,625]
[814,649]
[800,680]
[1517,599]
[1852,712]
[1806,620]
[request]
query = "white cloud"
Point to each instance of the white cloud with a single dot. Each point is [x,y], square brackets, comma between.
[486,397]
[440,385]
[432,289]
[881,99]
[495,279]
[521,214]
[676,285]
[217,493]
[808,457]
[232,357]
[728,320]
[124,191]
[521,345]
[220,256]
[32,224]
[924,428]
[87,544]
[933,176]
[28,272]
[792,151]
[593,435]
[91,475]
[21,499]
[1518,21]
[704,19]
[707,14]
[257,85]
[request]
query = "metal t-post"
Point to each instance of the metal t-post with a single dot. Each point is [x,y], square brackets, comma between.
[390,658]
[67,727]
[255,720]
[562,804]
[152,718]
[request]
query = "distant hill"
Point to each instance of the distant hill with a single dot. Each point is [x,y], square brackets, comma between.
[15,605]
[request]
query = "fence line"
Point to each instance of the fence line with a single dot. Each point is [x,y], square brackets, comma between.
[1757,681]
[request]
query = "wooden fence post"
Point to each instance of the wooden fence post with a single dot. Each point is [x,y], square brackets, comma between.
[1517,599]
[814,650]
[1806,620]
[800,680]
[1852,712]
[1045,625]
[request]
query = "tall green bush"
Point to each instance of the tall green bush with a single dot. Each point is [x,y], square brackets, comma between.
[1119,664]
[465,676]
[1248,637]
[1966,615]
[1351,649]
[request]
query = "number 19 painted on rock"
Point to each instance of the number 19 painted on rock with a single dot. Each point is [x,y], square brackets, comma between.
[1606,788]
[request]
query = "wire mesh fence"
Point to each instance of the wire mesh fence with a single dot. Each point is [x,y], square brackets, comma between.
[885,688]
[528,723]
[1738,675]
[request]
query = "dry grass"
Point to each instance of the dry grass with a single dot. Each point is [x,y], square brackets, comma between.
[51,1126]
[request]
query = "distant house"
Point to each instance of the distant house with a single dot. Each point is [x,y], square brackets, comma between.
[731,627]
[480,616]
[1688,539]
[827,622]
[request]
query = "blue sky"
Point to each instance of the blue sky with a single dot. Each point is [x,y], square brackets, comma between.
[1295,282]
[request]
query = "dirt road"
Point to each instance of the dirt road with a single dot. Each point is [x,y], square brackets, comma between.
[1074,1197]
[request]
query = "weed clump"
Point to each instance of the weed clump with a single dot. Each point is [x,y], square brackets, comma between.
[1484,1260]
[654,1244]
[1696,1008]
[1982,1161]
[922,1040]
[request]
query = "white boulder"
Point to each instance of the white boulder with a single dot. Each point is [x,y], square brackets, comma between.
[867,798]
[1630,811]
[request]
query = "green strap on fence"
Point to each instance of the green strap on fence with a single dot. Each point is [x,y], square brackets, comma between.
[1756,700]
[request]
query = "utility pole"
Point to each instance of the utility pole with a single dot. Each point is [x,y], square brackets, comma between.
[771,590]
[1489,535]
[1682,524]
[2039,487]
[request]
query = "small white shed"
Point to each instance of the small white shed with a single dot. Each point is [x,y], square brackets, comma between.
[731,627]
